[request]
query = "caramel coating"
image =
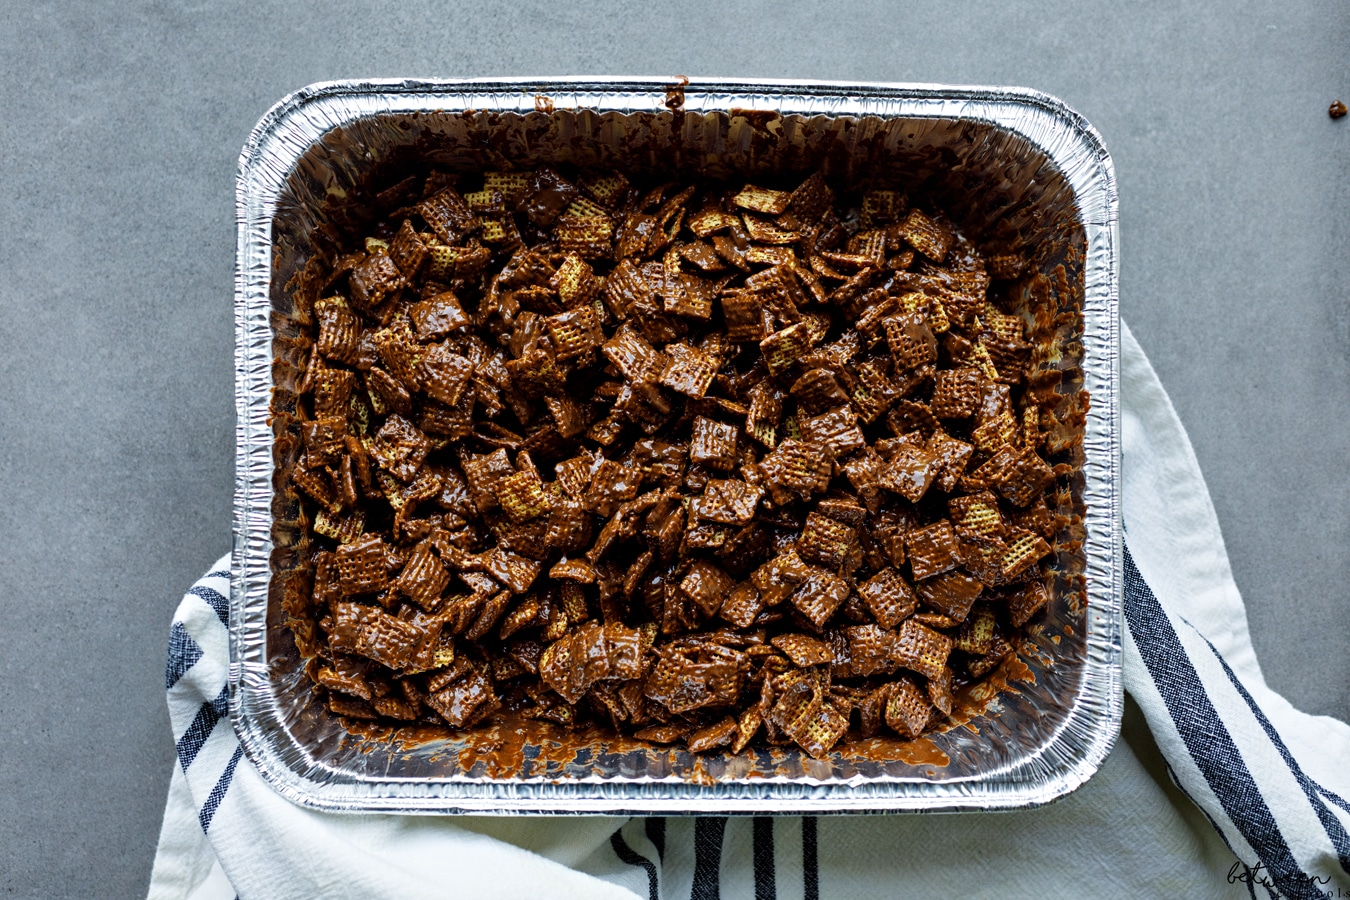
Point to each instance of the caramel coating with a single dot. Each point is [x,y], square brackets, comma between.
[724,463]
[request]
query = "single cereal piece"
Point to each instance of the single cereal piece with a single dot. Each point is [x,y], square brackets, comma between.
[703,256]
[820,729]
[950,593]
[575,333]
[460,702]
[765,231]
[339,330]
[812,199]
[375,280]
[976,635]
[488,201]
[448,216]
[984,476]
[911,340]
[825,541]
[762,200]
[688,371]
[778,578]
[574,475]
[908,709]
[995,433]
[686,295]
[452,422]
[682,685]
[804,650]
[511,185]
[400,448]
[743,312]
[706,586]
[837,429]
[1021,476]
[818,390]
[443,373]
[325,440]
[743,605]
[1023,603]
[881,207]
[797,468]
[933,550]
[709,221]
[956,393]
[1024,549]
[577,570]
[819,596]
[921,649]
[408,251]
[713,444]
[516,572]
[869,650]
[401,355]
[926,235]
[569,417]
[361,566]
[874,392]
[763,415]
[606,188]
[388,640]
[909,472]
[978,514]
[719,734]
[889,598]
[483,474]
[522,496]
[575,282]
[783,348]
[844,509]
[729,501]
[951,456]
[588,236]
[438,316]
[630,353]
[423,578]
[345,529]
[611,484]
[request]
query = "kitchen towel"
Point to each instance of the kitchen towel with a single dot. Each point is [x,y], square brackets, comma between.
[1217,787]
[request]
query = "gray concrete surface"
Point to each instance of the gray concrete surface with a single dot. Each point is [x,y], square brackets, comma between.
[119,130]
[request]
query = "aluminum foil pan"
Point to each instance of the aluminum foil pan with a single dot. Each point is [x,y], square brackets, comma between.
[1016,169]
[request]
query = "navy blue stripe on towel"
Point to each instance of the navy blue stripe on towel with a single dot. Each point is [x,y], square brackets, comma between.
[1333,797]
[655,828]
[628,855]
[810,860]
[183,654]
[218,792]
[217,601]
[190,744]
[1334,829]
[765,886]
[1206,738]
[708,834]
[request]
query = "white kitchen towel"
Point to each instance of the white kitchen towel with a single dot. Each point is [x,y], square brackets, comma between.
[1218,786]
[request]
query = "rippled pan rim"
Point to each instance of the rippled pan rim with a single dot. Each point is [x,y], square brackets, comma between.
[1041,742]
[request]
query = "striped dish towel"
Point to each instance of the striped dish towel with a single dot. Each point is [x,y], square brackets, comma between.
[1218,786]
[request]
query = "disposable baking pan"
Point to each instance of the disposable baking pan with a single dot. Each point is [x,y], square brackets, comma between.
[1014,168]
